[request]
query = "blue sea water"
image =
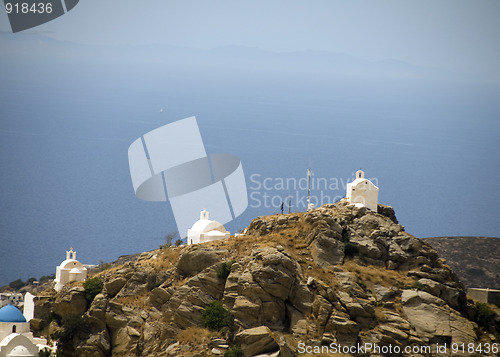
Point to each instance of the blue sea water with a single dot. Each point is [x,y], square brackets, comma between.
[432,148]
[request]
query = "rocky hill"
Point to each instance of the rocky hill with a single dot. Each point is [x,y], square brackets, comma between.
[306,283]
[476,260]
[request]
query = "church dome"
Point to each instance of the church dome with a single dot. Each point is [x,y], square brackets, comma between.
[11,313]
[70,264]
[207,226]
[20,351]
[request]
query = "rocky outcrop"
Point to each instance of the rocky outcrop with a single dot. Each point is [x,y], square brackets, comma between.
[258,288]
[195,258]
[337,274]
[434,321]
[114,286]
[257,340]
[70,302]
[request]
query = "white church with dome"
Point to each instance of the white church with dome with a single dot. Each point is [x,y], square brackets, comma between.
[362,192]
[206,230]
[69,270]
[16,338]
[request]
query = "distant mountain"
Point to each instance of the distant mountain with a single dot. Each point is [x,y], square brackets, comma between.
[29,46]
[476,260]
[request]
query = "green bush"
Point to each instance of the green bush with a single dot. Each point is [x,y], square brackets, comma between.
[351,249]
[224,269]
[92,287]
[484,315]
[215,316]
[178,242]
[17,284]
[46,278]
[234,351]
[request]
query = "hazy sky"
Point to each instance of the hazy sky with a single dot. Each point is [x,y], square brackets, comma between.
[454,34]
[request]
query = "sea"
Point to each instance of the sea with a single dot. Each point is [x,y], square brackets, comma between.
[432,147]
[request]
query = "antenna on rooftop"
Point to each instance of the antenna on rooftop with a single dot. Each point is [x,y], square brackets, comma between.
[310,205]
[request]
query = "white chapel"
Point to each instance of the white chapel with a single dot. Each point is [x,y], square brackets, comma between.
[206,230]
[69,270]
[362,192]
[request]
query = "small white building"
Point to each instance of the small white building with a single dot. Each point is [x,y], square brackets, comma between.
[69,270]
[206,230]
[362,192]
[15,299]
[16,338]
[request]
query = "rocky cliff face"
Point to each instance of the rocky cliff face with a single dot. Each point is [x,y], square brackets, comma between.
[335,275]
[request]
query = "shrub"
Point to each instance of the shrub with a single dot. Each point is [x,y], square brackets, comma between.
[215,316]
[178,242]
[92,287]
[351,249]
[45,278]
[224,269]
[484,315]
[234,351]
[17,284]
[71,324]
[168,240]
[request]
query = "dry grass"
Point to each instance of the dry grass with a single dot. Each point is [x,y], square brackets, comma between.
[165,259]
[195,336]
[379,314]
[372,275]
[110,271]
[133,301]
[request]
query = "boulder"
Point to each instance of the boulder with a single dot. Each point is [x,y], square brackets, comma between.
[382,293]
[434,320]
[256,341]
[298,322]
[195,258]
[70,301]
[387,211]
[301,298]
[285,349]
[327,251]
[114,286]
[345,330]
[453,297]
[321,310]
[98,308]
[136,285]
[159,296]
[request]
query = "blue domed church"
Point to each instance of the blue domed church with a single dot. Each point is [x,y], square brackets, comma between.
[16,338]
